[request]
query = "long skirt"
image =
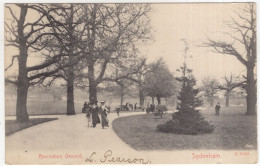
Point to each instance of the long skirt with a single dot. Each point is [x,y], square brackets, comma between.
[95,119]
[89,118]
[104,120]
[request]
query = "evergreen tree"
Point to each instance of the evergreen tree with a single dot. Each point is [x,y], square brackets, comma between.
[188,119]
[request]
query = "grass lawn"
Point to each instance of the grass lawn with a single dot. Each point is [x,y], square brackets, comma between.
[12,126]
[233,130]
[41,107]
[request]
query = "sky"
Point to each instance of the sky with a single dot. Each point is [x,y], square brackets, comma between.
[193,22]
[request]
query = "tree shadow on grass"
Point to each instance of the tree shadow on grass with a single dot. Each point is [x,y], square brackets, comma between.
[12,126]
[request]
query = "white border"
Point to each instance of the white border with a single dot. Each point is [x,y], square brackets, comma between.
[2,106]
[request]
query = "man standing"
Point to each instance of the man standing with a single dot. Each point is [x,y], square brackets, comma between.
[217,109]
[135,106]
[118,111]
[104,111]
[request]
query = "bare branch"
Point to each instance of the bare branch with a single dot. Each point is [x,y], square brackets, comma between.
[13,58]
[12,31]
[12,13]
[12,45]
[10,81]
[38,37]
[54,77]
[53,60]
[44,74]
[225,48]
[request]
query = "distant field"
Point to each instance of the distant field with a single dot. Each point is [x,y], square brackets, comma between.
[38,107]
[233,130]
[43,104]
[47,106]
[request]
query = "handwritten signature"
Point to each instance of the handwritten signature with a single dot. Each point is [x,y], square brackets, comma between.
[109,158]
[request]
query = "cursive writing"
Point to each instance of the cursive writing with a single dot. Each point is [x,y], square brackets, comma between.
[89,159]
[108,157]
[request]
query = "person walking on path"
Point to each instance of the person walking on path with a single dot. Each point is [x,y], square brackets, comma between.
[94,110]
[217,109]
[88,113]
[84,108]
[135,107]
[104,111]
[118,111]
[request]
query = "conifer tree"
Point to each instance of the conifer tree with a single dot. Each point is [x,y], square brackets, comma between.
[188,119]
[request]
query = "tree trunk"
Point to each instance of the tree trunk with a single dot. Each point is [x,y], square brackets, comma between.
[70,94]
[211,101]
[152,100]
[22,88]
[121,95]
[92,92]
[251,92]
[92,84]
[141,98]
[21,108]
[23,81]
[227,98]
[70,80]
[159,100]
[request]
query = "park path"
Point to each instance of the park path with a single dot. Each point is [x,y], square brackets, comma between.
[70,135]
[67,135]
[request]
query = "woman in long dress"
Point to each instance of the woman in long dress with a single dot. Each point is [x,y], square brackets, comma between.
[94,112]
[88,113]
[104,111]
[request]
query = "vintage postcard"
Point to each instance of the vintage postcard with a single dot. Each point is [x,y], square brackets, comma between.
[130,83]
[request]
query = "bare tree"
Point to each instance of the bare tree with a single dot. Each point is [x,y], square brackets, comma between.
[124,85]
[111,34]
[29,37]
[243,34]
[71,21]
[232,82]
[134,72]
[210,86]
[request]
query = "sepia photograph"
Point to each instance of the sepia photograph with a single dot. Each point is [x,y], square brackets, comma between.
[130,83]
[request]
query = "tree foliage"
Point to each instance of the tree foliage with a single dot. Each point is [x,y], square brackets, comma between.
[188,119]
[159,83]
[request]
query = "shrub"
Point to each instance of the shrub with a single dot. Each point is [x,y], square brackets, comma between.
[184,123]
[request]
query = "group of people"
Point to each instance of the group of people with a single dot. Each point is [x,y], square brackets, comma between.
[92,111]
[128,107]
